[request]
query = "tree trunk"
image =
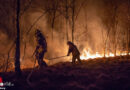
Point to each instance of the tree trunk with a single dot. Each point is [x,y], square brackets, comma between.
[55,6]
[128,30]
[53,21]
[67,37]
[17,53]
[128,40]
[115,29]
[73,20]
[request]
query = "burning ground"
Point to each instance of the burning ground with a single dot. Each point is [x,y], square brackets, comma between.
[93,74]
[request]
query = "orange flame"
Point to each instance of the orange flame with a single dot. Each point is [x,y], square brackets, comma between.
[87,55]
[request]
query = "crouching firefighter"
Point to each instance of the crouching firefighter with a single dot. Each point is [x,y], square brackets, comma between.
[75,52]
[41,48]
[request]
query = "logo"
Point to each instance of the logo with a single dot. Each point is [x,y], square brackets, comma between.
[1,82]
[3,85]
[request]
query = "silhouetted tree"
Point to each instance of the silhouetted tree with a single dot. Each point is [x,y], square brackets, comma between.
[128,29]
[73,19]
[17,53]
[67,17]
[110,21]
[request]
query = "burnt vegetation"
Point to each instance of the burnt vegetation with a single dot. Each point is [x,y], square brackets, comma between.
[94,74]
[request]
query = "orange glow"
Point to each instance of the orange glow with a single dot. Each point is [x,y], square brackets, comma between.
[87,55]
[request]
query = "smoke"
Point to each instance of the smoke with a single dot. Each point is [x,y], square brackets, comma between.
[90,30]
[3,42]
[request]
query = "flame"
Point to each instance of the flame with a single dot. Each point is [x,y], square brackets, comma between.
[87,55]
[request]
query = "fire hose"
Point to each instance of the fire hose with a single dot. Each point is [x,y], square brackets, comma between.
[58,57]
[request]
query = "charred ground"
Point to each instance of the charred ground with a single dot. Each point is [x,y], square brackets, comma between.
[95,74]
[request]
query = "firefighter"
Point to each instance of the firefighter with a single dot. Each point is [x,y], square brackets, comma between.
[41,48]
[75,52]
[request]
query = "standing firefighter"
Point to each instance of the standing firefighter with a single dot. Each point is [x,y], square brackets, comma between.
[75,52]
[41,48]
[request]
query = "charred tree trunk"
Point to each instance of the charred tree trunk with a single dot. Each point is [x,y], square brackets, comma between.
[73,20]
[115,22]
[127,41]
[54,10]
[128,30]
[105,41]
[67,37]
[17,53]
[53,21]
